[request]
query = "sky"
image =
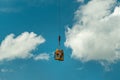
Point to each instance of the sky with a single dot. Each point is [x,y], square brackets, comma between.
[89,32]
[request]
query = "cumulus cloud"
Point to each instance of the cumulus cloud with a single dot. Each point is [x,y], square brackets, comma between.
[42,56]
[95,34]
[19,47]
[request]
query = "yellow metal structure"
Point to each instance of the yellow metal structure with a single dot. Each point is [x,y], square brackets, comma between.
[59,55]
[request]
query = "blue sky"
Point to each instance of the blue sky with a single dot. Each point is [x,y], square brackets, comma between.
[42,18]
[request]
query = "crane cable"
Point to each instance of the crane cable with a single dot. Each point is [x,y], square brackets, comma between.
[59,22]
[59,38]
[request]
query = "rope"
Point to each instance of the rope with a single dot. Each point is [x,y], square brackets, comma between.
[59,38]
[59,22]
[59,15]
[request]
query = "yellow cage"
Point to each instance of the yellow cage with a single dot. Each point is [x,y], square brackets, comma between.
[59,55]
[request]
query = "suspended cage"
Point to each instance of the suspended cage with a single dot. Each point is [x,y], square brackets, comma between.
[59,53]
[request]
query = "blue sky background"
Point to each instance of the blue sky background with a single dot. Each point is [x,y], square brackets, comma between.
[42,18]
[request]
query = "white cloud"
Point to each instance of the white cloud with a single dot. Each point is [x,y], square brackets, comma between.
[107,66]
[116,11]
[80,68]
[8,6]
[114,14]
[42,56]
[93,37]
[4,70]
[9,10]
[80,0]
[19,47]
